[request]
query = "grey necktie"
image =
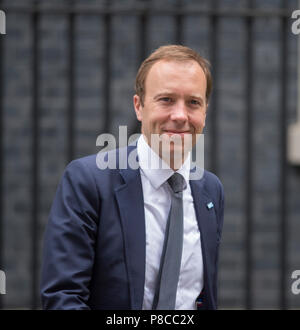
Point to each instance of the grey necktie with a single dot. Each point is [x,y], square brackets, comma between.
[168,275]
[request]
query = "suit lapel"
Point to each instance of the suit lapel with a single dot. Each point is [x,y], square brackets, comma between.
[206,218]
[131,206]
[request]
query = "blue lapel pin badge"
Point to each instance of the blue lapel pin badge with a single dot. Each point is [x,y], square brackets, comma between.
[210,205]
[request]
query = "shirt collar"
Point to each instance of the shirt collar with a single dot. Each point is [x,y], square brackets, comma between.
[159,174]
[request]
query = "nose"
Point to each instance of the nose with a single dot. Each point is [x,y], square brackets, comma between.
[179,112]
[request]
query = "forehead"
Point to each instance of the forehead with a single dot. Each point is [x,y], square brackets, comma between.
[178,75]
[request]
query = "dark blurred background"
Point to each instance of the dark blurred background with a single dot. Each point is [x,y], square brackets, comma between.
[67,71]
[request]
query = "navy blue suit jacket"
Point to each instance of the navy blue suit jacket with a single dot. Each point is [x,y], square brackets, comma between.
[94,243]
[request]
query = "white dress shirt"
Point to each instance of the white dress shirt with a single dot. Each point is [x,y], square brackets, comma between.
[157,203]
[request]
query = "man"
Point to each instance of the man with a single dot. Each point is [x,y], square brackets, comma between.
[145,238]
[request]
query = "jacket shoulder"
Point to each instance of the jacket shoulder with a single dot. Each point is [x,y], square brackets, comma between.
[85,162]
[213,184]
[211,178]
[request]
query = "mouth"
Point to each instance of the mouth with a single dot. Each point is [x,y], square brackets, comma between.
[177,132]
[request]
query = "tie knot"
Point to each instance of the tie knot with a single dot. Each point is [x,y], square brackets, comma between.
[177,182]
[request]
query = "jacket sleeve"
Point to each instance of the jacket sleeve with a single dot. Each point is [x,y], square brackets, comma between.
[69,240]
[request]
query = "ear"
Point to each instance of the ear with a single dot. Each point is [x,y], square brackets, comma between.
[137,107]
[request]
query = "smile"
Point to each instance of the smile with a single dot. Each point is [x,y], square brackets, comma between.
[171,132]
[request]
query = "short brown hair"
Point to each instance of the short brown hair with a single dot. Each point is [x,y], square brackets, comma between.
[176,53]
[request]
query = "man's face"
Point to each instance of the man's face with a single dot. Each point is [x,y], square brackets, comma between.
[174,101]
